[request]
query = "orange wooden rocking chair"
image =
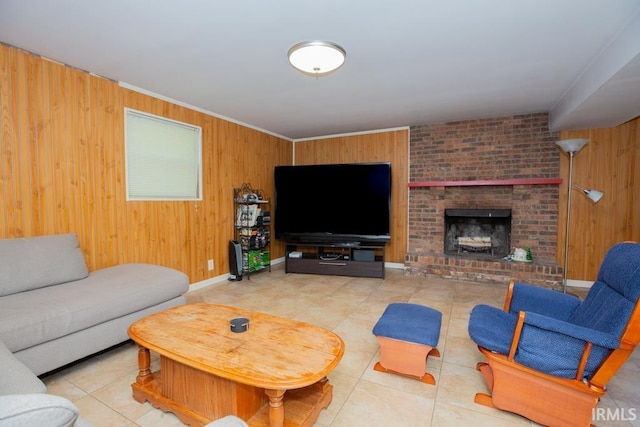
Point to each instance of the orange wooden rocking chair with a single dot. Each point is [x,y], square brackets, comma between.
[549,356]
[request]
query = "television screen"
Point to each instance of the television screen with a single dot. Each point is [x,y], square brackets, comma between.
[333,203]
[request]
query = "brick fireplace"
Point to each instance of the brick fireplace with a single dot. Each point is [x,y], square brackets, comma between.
[477,233]
[504,164]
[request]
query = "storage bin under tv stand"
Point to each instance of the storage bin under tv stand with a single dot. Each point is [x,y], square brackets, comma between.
[339,259]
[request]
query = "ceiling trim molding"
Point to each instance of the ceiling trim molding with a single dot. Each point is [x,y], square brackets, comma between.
[364,132]
[201,110]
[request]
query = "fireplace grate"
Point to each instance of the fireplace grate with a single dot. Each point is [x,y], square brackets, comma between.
[475,244]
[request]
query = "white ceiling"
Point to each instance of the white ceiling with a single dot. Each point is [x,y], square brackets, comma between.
[408,61]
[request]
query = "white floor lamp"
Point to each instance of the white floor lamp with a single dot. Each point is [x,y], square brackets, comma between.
[571,147]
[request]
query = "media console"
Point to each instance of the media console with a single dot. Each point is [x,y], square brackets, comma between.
[339,259]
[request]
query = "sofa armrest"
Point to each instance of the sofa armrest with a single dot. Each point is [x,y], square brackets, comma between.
[36,409]
[15,377]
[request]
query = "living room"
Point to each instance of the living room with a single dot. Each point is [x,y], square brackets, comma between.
[63,170]
[67,174]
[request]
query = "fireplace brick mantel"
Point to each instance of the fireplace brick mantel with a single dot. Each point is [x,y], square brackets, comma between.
[497,163]
[529,181]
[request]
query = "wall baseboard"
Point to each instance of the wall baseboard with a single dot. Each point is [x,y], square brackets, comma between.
[397,265]
[579,283]
[218,280]
[213,281]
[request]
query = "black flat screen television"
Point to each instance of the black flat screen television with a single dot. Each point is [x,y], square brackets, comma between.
[340,203]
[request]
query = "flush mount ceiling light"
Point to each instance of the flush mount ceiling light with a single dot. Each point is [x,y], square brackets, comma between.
[317,58]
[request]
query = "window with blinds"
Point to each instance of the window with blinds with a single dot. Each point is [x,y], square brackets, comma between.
[163,158]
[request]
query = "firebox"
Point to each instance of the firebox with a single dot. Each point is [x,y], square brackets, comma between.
[477,232]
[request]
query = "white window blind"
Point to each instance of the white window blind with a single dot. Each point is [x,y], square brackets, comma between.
[163,158]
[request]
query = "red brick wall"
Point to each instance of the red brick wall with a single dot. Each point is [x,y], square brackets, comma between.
[494,148]
[498,148]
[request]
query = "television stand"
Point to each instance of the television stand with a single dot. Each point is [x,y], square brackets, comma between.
[338,259]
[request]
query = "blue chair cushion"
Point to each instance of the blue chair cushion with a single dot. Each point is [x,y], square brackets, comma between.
[543,301]
[612,298]
[492,328]
[620,270]
[410,322]
[558,353]
[603,309]
[546,344]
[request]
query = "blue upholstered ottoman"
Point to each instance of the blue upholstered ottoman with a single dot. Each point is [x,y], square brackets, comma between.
[408,334]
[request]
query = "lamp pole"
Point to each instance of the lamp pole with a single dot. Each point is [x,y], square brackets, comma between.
[568,224]
[571,147]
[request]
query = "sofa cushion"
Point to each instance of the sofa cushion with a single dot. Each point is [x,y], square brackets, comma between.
[33,317]
[35,262]
[36,410]
[16,378]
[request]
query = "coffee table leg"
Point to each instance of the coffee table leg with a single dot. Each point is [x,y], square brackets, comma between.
[144,365]
[276,408]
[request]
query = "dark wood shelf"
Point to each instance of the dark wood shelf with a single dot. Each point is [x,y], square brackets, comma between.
[315,259]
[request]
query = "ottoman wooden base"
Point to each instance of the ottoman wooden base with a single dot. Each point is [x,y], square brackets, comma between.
[405,358]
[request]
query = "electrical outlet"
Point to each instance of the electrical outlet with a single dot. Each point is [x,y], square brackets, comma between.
[210,264]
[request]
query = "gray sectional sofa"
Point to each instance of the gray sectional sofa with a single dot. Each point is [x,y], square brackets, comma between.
[54,312]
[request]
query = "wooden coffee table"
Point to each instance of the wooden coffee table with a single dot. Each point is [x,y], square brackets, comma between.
[207,371]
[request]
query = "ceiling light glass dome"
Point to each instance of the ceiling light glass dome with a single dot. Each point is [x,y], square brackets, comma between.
[317,58]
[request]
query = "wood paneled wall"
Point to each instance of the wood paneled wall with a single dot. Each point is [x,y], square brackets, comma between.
[62,170]
[390,146]
[608,163]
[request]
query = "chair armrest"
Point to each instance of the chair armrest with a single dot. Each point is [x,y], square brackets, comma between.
[593,336]
[534,299]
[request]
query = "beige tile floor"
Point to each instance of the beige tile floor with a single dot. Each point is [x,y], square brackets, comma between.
[100,386]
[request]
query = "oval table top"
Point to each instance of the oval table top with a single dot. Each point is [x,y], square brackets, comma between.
[274,352]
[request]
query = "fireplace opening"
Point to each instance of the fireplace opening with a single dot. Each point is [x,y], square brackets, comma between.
[477,232]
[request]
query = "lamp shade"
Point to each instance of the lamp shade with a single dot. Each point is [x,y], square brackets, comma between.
[317,58]
[594,195]
[572,145]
